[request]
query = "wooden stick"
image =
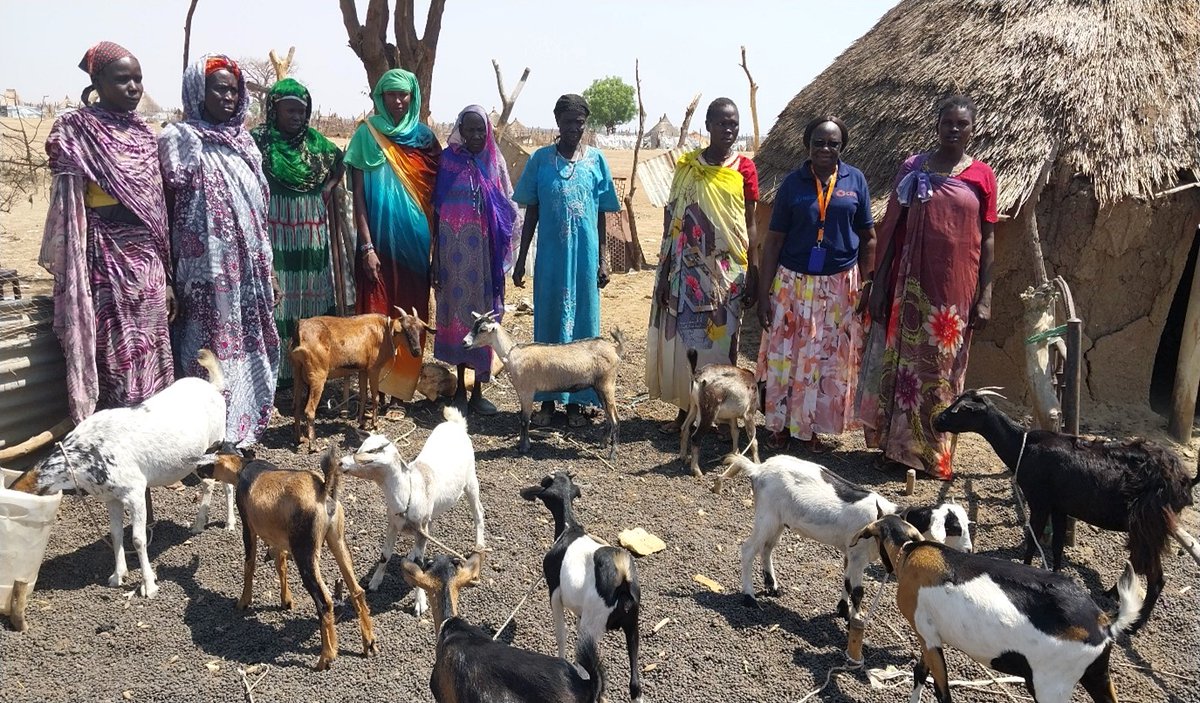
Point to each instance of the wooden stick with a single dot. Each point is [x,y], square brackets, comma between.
[687,121]
[36,442]
[637,148]
[20,599]
[506,101]
[187,32]
[753,98]
[1187,542]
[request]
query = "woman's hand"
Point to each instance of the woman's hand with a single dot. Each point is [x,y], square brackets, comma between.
[764,313]
[980,314]
[877,303]
[172,305]
[750,288]
[371,264]
[518,273]
[864,298]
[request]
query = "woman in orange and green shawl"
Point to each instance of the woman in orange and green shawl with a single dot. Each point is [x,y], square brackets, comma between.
[705,274]
[392,159]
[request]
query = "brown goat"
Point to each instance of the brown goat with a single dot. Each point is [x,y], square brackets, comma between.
[720,392]
[327,347]
[293,512]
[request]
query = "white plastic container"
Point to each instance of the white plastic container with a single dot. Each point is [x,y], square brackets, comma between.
[25,522]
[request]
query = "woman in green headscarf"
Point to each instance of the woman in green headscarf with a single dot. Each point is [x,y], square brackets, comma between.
[302,168]
[393,165]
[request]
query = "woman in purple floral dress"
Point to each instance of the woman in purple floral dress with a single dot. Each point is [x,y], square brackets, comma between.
[224,281]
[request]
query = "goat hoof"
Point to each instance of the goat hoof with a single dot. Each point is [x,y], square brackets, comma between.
[750,601]
[287,604]
[370,648]
[774,591]
[243,603]
[149,590]
[843,610]
[323,664]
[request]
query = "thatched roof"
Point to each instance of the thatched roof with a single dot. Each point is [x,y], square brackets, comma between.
[1111,87]
[664,126]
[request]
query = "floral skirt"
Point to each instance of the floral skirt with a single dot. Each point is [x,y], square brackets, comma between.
[809,358]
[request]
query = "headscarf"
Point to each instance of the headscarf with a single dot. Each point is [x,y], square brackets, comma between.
[455,168]
[229,133]
[571,101]
[300,162]
[101,55]
[364,152]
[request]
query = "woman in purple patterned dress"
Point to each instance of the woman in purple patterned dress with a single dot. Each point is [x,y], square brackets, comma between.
[106,242]
[223,265]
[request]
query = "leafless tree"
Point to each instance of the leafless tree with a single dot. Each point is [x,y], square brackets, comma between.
[507,100]
[369,41]
[23,164]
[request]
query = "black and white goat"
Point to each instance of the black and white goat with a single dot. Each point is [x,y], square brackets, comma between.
[588,577]
[471,667]
[417,493]
[820,505]
[1131,486]
[1032,623]
[116,454]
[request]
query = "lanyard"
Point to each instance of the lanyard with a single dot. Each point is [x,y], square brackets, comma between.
[823,198]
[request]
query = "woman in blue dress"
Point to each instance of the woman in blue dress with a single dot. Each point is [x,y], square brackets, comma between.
[567,188]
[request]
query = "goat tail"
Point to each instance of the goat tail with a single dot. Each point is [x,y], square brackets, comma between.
[693,356]
[588,656]
[1131,602]
[452,414]
[209,361]
[735,465]
[332,474]
[619,339]
[1156,489]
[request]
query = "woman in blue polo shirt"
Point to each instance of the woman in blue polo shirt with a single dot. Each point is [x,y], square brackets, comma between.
[817,259]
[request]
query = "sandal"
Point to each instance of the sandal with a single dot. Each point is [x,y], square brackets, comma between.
[575,416]
[542,417]
[816,445]
[779,440]
[673,426]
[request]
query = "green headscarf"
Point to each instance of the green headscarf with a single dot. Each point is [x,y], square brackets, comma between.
[364,152]
[301,162]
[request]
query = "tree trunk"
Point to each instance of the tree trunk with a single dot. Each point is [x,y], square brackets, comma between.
[753,98]
[187,32]
[1187,369]
[418,54]
[507,101]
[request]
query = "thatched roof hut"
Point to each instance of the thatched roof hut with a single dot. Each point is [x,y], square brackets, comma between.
[1090,117]
[662,135]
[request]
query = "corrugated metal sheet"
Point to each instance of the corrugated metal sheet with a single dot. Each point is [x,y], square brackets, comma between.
[33,386]
[655,176]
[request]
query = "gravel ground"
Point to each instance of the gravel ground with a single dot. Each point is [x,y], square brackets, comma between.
[87,641]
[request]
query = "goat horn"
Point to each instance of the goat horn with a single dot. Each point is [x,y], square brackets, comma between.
[400,310]
[475,315]
[985,392]
[415,312]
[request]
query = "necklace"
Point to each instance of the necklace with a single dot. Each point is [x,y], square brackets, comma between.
[570,162]
[961,165]
[475,183]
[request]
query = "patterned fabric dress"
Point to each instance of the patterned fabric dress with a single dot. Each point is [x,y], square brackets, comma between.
[476,218]
[110,306]
[570,195]
[297,168]
[809,358]
[916,359]
[703,262]
[398,161]
[222,255]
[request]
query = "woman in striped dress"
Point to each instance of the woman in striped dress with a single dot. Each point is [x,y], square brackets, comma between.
[302,168]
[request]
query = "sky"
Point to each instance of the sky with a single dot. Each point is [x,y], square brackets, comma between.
[684,46]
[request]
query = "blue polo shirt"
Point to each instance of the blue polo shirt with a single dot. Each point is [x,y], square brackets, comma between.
[796,215]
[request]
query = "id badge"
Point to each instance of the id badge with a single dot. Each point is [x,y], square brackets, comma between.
[816,260]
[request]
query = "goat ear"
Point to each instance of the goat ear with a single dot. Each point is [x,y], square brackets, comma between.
[575,492]
[431,330]
[468,573]
[416,576]
[531,493]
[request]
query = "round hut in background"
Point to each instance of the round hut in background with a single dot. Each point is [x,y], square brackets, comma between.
[1089,113]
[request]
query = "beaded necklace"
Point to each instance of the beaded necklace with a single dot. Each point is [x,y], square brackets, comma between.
[572,162]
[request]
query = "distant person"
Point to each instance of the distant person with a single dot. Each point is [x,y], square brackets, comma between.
[474,218]
[566,188]
[106,242]
[933,289]
[223,269]
[817,260]
[393,159]
[302,167]
[706,275]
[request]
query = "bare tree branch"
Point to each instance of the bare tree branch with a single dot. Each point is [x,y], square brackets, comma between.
[687,121]
[637,148]
[187,32]
[753,98]
[354,29]
[507,101]
[282,68]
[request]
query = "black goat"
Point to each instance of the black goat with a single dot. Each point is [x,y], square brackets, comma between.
[472,668]
[1131,486]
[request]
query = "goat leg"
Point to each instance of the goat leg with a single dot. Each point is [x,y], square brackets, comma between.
[285,593]
[116,516]
[632,640]
[341,555]
[1186,541]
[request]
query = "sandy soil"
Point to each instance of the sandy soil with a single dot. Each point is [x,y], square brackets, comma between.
[90,642]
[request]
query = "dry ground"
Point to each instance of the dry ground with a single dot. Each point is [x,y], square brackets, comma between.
[90,642]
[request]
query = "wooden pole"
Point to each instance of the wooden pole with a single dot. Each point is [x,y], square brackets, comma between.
[687,121]
[1072,369]
[753,98]
[507,101]
[36,442]
[16,608]
[637,148]
[1187,369]
[187,32]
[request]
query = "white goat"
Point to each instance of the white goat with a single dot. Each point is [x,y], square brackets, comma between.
[117,454]
[822,506]
[418,493]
